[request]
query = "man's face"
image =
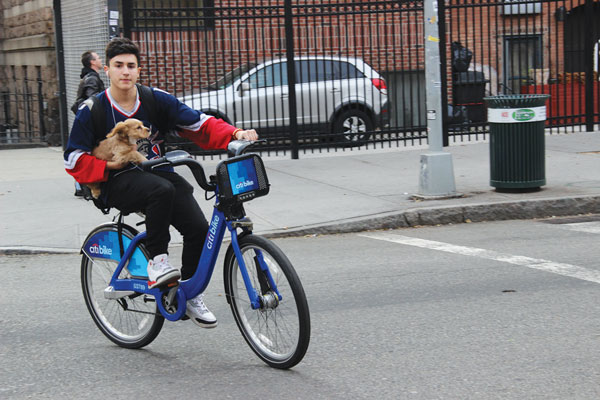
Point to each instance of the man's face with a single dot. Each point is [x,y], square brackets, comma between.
[123,71]
[96,62]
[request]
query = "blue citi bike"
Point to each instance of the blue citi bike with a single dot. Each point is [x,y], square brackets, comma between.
[261,285]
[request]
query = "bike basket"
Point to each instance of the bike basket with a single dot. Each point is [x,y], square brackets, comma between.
[242,178]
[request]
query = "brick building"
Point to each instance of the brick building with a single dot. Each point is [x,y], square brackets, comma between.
[189,49]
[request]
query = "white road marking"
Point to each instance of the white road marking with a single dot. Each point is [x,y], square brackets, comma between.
[589,227]
[569,270]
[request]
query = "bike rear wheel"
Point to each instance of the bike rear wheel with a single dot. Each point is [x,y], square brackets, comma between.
[132,321]
[278,332]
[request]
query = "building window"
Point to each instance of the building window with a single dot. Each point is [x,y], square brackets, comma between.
[151,15]
[515,7]
[522,54]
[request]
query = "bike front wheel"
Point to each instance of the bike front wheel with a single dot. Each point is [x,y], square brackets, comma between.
[279,330]
[131,321]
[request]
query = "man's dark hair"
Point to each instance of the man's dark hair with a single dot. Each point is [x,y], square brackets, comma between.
[86,58]
[119,46]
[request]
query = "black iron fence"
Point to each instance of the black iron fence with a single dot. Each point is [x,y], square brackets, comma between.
[321,74]
[499,47]
[308,75]
[22,113]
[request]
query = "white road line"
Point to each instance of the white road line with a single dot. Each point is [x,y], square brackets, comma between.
[569,270]
[589,227]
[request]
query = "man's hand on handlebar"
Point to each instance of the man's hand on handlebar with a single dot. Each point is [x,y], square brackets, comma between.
[249,134]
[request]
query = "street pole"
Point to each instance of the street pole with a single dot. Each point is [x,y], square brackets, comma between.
[60,69]
[436,177]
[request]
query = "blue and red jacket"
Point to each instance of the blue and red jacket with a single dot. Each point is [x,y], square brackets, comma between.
[206,131]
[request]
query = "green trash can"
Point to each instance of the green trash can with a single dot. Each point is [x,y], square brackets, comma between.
[517,148]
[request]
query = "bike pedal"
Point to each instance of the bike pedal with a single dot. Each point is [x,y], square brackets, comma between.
[164,286]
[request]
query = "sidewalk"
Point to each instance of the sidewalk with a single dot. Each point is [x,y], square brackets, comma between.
[329,193]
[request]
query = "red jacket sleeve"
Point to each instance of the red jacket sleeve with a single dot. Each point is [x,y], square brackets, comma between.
[88,169]
[213,134]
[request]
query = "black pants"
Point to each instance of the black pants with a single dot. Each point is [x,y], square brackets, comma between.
[166,199]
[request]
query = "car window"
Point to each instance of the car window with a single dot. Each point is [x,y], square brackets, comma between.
[314,70]
[271,75]
[231,76]
[345,70]
[306,71]
[325,70]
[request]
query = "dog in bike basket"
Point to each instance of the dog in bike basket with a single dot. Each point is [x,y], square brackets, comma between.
[120,146]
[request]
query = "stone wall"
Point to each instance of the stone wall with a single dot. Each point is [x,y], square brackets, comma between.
[28,55]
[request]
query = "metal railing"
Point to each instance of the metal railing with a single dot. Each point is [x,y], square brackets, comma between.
[521,47]
[186,51]
[22,113]
[517,46]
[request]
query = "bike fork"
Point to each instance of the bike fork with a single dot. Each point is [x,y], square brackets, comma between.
[262,272]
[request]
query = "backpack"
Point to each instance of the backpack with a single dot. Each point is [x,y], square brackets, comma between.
[99,125]
[79,98]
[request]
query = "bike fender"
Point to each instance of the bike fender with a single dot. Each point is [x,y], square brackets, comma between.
[104,244]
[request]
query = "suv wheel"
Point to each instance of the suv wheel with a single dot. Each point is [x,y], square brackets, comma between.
[353,126]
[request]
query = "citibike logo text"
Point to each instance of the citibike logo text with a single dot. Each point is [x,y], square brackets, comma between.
[244,184]
[212,231]
[100,250]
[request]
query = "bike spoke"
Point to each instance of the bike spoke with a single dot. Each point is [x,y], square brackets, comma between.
[275,331]
[129,318]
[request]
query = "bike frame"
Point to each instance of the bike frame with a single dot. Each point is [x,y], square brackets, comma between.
[199,281]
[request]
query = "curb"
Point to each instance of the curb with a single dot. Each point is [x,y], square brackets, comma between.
[500,211]
[479,212]
[32,250]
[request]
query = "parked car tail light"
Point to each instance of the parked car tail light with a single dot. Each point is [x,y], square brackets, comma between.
[380,84]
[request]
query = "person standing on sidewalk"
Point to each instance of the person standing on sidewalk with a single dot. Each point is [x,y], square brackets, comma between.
[89,85]
[166,197]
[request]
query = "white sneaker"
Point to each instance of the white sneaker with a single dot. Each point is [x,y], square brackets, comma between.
[199,313]
[160,272]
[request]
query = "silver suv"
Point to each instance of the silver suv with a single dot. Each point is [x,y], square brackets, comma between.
[339,95]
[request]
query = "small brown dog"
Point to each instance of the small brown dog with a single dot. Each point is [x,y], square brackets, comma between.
[119,146]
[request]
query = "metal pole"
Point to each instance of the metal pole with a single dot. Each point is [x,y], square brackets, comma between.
[60,66]
[433,79]
[113,18]
[437,173]
[444,75]
[291,73]
[41,108]
[127,6]
[589,65]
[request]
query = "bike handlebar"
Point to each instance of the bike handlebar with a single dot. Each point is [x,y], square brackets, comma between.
[239,147]
[180,157]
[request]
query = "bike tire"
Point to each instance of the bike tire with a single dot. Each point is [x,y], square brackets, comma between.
[132,321]
[280,335]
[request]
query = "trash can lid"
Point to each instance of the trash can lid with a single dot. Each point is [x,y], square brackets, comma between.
[516,100]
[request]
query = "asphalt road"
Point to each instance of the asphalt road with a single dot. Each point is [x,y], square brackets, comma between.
[504,310]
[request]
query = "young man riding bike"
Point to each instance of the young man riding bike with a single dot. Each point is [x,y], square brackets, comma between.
[165,197]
